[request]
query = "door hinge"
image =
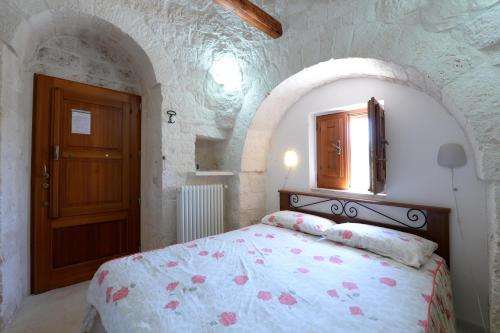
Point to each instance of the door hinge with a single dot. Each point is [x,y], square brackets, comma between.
[139,201]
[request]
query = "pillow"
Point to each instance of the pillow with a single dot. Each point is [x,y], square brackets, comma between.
[310,224]
[406,248]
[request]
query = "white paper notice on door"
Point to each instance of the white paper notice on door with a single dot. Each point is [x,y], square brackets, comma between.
[80,122]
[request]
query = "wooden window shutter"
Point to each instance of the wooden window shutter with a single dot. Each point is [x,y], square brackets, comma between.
[333,151]
[376,120]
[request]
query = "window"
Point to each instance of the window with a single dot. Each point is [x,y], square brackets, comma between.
[351,149]
[359,152]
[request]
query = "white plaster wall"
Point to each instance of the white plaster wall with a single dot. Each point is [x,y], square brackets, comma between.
[416,127]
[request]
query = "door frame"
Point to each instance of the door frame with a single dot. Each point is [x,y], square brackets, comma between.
[43,98]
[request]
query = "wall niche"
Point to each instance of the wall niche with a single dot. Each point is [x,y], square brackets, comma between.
[209,157]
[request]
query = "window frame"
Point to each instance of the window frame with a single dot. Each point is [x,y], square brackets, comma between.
[377,147]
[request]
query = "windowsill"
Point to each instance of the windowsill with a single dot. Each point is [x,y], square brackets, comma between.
[351,192]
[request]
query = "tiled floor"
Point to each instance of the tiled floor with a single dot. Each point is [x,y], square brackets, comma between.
[57,311]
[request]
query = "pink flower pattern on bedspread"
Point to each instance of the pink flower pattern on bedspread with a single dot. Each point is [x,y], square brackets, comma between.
[269,279]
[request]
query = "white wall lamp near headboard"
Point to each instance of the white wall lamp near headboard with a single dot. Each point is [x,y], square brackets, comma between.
[452,156]
[290,160]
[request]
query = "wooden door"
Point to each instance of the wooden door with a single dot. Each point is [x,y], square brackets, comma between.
[333,151]
[85,180]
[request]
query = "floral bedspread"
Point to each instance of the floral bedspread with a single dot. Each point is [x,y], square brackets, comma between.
[268,279]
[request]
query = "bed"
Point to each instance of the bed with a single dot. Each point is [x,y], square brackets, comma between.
[267,279]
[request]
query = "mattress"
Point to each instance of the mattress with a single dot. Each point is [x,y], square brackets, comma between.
[268,279]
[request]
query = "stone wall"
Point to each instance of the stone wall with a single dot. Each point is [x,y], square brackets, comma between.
[452,47]
[86,57]
[15,134]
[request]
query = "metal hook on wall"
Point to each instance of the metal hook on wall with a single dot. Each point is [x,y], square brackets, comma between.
[171,114]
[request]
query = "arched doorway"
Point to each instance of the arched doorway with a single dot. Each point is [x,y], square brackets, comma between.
[63,44]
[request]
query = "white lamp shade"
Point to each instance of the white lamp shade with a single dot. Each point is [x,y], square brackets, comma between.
[452,155]
[291,159]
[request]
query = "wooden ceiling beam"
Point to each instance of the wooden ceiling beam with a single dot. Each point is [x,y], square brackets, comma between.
[253,15]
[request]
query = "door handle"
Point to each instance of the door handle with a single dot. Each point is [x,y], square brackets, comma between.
[45,174]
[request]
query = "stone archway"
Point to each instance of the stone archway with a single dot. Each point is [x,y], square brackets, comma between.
[285,95]
[62,43]
[274,107]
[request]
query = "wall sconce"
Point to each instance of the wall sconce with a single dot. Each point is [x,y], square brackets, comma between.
[451,155]
[291,160]
[226,72]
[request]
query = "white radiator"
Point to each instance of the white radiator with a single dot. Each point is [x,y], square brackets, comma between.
[200,211]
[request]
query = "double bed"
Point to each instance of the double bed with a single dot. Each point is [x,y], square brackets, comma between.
[268,279]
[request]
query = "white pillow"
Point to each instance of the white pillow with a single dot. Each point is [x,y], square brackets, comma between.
[406,248]
[310,224]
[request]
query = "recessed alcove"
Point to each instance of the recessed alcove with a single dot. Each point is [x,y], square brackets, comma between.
[209,157]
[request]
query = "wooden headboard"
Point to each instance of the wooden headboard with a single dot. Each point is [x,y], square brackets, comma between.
[425,221]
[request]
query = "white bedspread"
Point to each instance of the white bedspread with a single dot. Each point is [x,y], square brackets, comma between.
[267,279]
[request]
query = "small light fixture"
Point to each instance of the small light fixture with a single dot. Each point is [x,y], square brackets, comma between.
[291,159]
[452,155]
[226,72]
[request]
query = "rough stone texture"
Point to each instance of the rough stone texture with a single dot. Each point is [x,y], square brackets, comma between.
[252,197]
[86,57]
[447,49]
[483,32]
[15,134]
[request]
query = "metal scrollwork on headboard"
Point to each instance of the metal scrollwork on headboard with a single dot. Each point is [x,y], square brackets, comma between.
[416,218]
